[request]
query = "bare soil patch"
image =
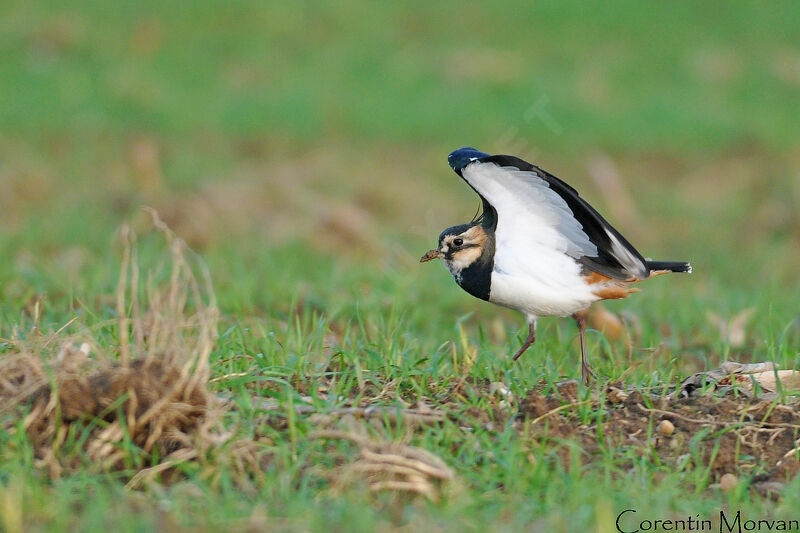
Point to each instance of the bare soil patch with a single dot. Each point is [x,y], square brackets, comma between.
[727,434]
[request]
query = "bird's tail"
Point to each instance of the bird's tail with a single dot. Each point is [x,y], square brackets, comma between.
[671,266]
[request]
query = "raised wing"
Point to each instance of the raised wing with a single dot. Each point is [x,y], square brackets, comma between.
[537,210]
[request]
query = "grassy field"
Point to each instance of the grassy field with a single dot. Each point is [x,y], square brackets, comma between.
[300,151]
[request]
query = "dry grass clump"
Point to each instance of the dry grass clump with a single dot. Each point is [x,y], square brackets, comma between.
[146,403]
[391,466]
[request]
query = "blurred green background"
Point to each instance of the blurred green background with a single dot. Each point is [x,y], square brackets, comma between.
[300,148]
[261,126]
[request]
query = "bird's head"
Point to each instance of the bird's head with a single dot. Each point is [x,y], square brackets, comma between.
[459,247]
[462,157]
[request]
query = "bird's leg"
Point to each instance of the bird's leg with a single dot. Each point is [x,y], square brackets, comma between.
[586,370]
[530,340]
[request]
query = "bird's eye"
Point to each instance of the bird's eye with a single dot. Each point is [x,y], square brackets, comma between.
[458,242]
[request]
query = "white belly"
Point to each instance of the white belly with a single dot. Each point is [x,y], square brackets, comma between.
[543,291]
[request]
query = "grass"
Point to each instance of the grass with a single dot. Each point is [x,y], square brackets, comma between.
[300,151]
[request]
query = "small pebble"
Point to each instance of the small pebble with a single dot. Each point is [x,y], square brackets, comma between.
[614,395]
[727,482]
[666,428]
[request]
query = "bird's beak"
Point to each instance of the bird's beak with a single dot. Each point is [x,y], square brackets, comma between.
[430,255]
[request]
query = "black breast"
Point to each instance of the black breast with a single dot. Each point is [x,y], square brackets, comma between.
[477,279]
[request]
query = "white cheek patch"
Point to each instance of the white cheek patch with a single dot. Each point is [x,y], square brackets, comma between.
[463,259]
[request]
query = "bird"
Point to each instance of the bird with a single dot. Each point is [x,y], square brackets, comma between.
[538,247]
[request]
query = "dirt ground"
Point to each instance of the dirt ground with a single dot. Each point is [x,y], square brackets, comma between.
[729,433]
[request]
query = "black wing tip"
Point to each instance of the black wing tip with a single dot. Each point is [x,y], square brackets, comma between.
[458,159]
[672,266]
